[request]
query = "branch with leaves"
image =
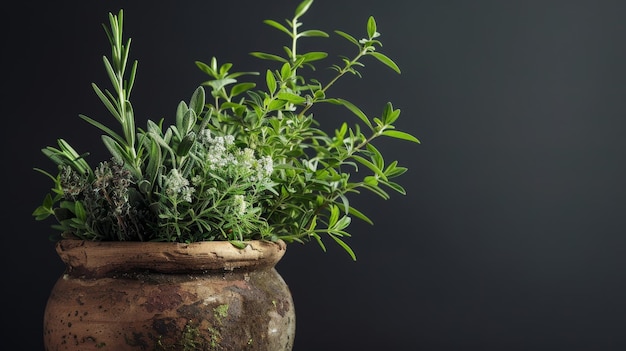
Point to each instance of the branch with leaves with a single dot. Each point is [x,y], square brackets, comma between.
[241,161]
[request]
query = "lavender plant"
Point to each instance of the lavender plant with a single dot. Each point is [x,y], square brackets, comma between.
[238,163]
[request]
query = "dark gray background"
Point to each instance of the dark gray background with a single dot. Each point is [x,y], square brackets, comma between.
[512,234]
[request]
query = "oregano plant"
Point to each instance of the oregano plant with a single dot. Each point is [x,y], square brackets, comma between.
[242,159]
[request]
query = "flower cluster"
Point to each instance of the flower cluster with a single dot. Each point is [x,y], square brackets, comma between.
[176,186]
[222,154]
[226,181]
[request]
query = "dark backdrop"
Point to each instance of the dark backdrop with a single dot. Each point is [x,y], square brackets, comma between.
[512,234]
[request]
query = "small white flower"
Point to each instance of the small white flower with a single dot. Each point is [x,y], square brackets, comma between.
[239,204]
[229,140]
[196,180]
[268,165]
[186,193]
[176,184]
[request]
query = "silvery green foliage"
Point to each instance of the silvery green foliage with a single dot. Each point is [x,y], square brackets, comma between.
[240,162]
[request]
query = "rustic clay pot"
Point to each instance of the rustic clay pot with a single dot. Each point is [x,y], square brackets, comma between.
[169,296]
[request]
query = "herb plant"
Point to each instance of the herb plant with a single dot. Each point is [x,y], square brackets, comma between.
[238,163]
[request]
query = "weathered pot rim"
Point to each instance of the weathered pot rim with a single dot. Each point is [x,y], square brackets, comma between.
[86,258]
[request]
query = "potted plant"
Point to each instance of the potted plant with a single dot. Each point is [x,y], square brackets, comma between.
[171,244]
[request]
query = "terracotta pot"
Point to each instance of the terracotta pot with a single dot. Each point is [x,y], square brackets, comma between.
[168,296]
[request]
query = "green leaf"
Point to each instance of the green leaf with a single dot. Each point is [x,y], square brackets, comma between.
[270,81]
[371,180]
[155,158]
[341,132]
[75,160]
[131,79]
[334,215]
[129,124]
[181,109]
[115,149]
[41,213]
[291,97]
[278,26]
[240,88]
[285,72]
[342,224]
[266,56]
[197,100]
[47,174]
[371,27]
[227,105]
[313,223]
[314,56]
[400,135]
[344,246]
[313,33]
[357,111]
[370,165]
[302,8]
[238,244]
[102,127]
[107,103]
[185,145]
[377,190]
[319,241]
[48,201]
[79,211]
[395,186]
[207,69]
[376,156]
[224,68]
[389,114]
[218,84]
[348,37]
[386,60]
[276,105]
[360,215]
[345,202]
[186,123]
[393,171]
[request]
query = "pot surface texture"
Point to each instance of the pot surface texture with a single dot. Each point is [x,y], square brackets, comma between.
[169,296]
